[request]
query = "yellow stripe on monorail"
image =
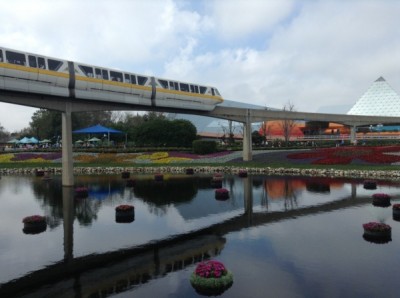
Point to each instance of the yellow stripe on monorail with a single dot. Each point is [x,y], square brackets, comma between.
[34,70]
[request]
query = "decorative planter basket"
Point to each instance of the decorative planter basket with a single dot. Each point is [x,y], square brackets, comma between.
[369,184]
[158,177]
[396,212]
[377,232]
[125,175]
[242,173]
[81,192]
[189,171]
[221,194]
[124,213]
[39,173]
[216,180]
[381,200]
[211,278]
[34,224]
[130,183]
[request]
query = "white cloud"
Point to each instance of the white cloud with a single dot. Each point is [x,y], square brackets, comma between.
[237,19]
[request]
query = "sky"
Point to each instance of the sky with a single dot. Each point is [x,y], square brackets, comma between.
[318,55]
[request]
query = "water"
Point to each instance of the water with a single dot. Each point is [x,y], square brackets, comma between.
[280,236]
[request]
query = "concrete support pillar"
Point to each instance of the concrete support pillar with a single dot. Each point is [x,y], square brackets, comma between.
[67,161]
[247,143]
[353,134]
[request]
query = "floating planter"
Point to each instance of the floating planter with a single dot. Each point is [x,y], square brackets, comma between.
[158,177]
[125,175]
[124,213]
[396,212]
[34,224]
[46,176]
[81,192]
[39,173]
[242,173]
[189,171]
[130,183]
[211,278]
[216,180]
[381,200]
[377,232]
[369,184]
[221,194]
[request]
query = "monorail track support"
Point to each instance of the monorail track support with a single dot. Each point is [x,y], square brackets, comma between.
[67,161]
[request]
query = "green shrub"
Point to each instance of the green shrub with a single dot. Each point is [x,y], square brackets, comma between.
[204,147]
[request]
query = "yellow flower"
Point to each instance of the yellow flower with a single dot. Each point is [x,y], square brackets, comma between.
[6,157]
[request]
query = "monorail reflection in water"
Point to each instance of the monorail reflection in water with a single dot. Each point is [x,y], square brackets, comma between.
[178,222]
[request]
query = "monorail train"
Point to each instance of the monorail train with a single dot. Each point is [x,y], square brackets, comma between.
[32,73]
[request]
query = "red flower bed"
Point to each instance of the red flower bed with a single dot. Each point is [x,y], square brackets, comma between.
[345,155]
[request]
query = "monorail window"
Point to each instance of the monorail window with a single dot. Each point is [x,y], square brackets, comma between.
[116,76]
[88,71]
[97,72]
[105,74]
[41,63]
[15,58]
[194,89]
[203,90]
[184,87]
[216,92]
[212,91]
[32,61]
[163,83]
[1,56]
[54,64]
[141,80]
[133,79]
[127,78]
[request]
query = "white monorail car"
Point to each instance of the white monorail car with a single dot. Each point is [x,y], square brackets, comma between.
[26,72]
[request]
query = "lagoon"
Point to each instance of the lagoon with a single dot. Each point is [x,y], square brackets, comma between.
[281,236]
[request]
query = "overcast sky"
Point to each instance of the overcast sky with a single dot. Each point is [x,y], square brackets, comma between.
[314,54]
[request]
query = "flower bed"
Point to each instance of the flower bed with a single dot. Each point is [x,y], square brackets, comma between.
[34,224]
[124,213]
[346,155]
[381,200]
[221,194]
[211,278]
[377,232]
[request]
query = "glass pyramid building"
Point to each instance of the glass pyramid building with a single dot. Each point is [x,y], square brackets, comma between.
[379,100]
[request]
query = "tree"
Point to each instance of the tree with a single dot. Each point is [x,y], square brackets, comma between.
[256,138]
[287,125]
[161,132]
[4,135]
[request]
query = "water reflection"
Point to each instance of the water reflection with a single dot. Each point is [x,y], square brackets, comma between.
[184,225]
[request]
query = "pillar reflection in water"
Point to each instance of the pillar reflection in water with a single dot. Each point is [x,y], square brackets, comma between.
[248,198]
[68,221]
